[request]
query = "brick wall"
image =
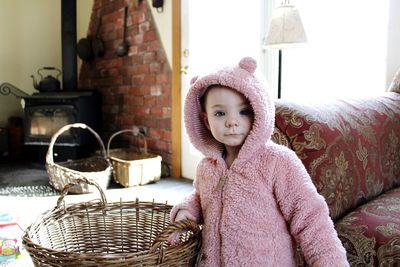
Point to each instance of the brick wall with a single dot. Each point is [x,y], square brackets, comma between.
[136,88]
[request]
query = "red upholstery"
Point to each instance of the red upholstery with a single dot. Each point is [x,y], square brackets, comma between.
[351,149]
[371,233]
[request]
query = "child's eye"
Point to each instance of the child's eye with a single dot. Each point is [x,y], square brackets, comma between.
[219,113]
[246,111]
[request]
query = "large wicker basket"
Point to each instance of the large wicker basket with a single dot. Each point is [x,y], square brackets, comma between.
[98,233]
[131,168]
[96,168]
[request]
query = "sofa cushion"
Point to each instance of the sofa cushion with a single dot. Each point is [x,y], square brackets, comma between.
[351,148]
[395,84]
[371,233]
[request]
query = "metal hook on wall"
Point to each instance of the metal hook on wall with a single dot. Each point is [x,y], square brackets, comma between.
[158,4]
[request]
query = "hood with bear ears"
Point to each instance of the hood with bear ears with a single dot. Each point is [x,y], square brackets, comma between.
[241,78]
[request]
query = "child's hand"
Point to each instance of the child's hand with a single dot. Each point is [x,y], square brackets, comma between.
[184,215]
[173,239]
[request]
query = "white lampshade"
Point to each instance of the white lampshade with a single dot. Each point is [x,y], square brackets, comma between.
[286,29]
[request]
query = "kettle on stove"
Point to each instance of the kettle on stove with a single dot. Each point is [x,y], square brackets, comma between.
[48,83]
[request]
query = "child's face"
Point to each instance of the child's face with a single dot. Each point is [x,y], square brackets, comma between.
[228,115]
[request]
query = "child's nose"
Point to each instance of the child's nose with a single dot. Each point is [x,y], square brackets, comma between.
[231,122]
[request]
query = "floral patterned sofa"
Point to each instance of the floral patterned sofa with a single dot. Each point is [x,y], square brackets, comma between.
[351,149]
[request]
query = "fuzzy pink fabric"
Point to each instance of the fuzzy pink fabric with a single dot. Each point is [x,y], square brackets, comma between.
[267,201]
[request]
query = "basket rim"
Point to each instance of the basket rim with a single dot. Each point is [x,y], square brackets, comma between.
[156,250]
[49,155]
[58,213]
[81,173]
[135,132]
[181,225]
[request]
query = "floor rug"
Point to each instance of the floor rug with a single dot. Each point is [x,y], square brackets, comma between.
[25,180]
[28,191]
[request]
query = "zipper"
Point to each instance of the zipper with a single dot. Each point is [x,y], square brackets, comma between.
[220,188]
[221,183]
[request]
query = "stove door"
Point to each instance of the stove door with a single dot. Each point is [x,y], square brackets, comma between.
[42,122]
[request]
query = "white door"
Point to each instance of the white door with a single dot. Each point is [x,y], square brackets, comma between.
[214,34]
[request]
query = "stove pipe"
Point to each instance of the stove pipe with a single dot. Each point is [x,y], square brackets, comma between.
[68,45]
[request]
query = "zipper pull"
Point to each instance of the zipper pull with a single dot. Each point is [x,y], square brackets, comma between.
[221,183]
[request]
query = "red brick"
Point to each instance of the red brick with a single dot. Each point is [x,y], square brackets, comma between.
[164,100]
[138,18]
[144,26]
[126,120]
[145,90]
[149,79]
[161,145]
[140,111]
[133,50]
[166,112]
[111,17]
[114,63]
[149,57]
[163,78]
[143,69]
[137,80]
[106,28]
[134,91]
[156,90]
[150,36]
[156,111]
[155,67]
[136,88]
[155,46]
[149,101]
[143,48]
[123,90]
[136,59]
[155,133]
[135,101]
[167,136]
[138,39]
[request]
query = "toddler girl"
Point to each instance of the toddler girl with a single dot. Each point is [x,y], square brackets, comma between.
[254,198]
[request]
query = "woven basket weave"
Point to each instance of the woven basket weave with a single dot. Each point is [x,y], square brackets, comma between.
[97,233]
[96,168]
[131,168]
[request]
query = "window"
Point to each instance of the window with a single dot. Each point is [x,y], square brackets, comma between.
[222,32]
[346,53]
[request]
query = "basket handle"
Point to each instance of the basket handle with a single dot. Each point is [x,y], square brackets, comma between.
[49,155]
[77,181]
[135,131]
[179,226]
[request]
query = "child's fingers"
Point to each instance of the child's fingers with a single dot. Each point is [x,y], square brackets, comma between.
[173,239]
[183,215]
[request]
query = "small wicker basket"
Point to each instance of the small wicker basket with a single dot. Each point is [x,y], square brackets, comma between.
[97,233]
[131,168]
[97,168]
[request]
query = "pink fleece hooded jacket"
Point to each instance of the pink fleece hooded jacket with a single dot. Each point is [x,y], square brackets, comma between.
[254,212]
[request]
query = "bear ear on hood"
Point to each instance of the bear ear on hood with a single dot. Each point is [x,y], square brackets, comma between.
[248,63]
[193,80]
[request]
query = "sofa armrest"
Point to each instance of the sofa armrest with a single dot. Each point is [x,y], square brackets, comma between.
[350,147]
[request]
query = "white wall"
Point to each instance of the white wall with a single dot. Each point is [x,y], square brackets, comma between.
[9,55]
[31,39]
[163,21]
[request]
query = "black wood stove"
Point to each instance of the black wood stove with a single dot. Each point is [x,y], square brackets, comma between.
[46,112]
